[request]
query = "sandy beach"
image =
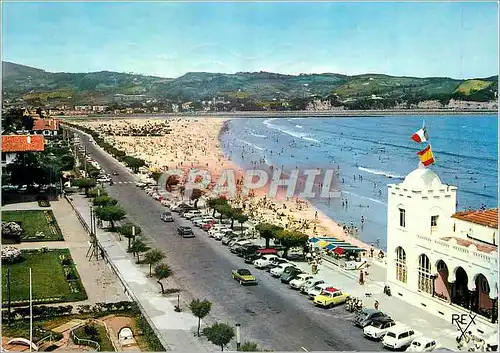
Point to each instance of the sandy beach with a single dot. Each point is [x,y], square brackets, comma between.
[186,143]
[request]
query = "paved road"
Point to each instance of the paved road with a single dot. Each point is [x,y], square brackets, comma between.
[270,313]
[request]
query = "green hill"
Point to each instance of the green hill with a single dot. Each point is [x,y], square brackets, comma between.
[33,84]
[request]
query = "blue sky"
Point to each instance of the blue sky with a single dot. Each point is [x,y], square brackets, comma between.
[169,39]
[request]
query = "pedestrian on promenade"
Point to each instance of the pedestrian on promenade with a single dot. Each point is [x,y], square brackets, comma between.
[377,304]
[361,277]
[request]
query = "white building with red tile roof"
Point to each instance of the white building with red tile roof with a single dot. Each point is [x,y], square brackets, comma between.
[12,145]
[46,127]
[439,259]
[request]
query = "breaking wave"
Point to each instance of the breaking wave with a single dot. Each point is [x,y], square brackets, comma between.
[381,172]
[296,134]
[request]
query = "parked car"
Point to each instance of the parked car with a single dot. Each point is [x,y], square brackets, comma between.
[247,249]
[295,256]
[244,276]
[103,179]
[286,277]
[317,289]
[422,344]
[249,259]
[167,217]
[367,316]
[310,284]
[185,232]
[378,328]
[201,222]
[219,235]
[330,298]
[278,270]
[182,208]
[276,262]
[217,228]
[264,261]
[300,280]
[192,214]
[228,238]
[398,337]
[234,248]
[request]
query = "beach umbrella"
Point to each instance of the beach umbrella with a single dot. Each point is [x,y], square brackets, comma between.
[339,251]
[313,240]
[322,243]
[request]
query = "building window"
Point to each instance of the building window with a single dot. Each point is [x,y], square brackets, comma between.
[402,218]
[483,284]
[434,223]
[424,274]
[401,264]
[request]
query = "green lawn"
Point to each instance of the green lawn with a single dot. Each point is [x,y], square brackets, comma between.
[49,279]
[103,339]
[34,221]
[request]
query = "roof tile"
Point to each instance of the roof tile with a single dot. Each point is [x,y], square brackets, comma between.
[23,143]
[488,218]
[46,124]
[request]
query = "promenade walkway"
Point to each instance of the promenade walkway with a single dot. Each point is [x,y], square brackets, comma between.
[176,330]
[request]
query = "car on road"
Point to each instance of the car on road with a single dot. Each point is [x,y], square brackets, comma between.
[367,316]
[317,289]
[264,261]
[378,328]
[422,344]
[300,280]
[398,337]
[185,232]
[286,277]
[114,172]
[330,297]
[278,270]
[103,179]
[167,217]
[244,276]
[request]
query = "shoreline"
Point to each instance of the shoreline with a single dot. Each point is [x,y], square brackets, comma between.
[291,114]
[197,144]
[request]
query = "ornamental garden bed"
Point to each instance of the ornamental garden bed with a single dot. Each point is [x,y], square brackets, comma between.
[55,278]
[37,225]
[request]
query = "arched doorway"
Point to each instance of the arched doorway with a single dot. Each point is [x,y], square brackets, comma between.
[401,270]
[482,303]
[442,286]
[424,274]
[460,292]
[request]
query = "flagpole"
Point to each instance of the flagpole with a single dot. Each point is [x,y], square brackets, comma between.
[31,312]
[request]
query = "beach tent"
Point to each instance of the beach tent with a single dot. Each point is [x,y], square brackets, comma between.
[330,247]
[322,243]
[339,251]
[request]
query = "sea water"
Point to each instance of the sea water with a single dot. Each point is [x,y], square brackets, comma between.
[381,151]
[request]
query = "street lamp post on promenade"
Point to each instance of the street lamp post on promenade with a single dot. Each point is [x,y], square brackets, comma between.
[238,337]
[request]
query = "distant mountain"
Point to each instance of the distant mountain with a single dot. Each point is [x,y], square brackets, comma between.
[33,84]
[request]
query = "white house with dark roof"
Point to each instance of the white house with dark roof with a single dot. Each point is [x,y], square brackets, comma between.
[439,259]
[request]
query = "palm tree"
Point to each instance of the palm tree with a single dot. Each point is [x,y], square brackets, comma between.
[153,257]
[138,247]
[162,271]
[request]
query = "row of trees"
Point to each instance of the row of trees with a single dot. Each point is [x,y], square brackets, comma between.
[131,162]
[286,237]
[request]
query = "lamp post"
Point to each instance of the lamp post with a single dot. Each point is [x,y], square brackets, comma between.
[238,337]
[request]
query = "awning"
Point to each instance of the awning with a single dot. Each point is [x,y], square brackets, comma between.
[339,251]
[313,240]
[330,247]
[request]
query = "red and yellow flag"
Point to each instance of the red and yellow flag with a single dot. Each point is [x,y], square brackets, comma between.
[426,156]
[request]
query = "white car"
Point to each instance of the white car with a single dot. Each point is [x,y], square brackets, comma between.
[422,344]
[165,203]
[300,280]
[191,214]
[264,261]
[378,329]
[203,221]
[218,228]
[398,337]
[310,283]
[278,270]
[196,219]
[103,179]
[219,235]
[317,290]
